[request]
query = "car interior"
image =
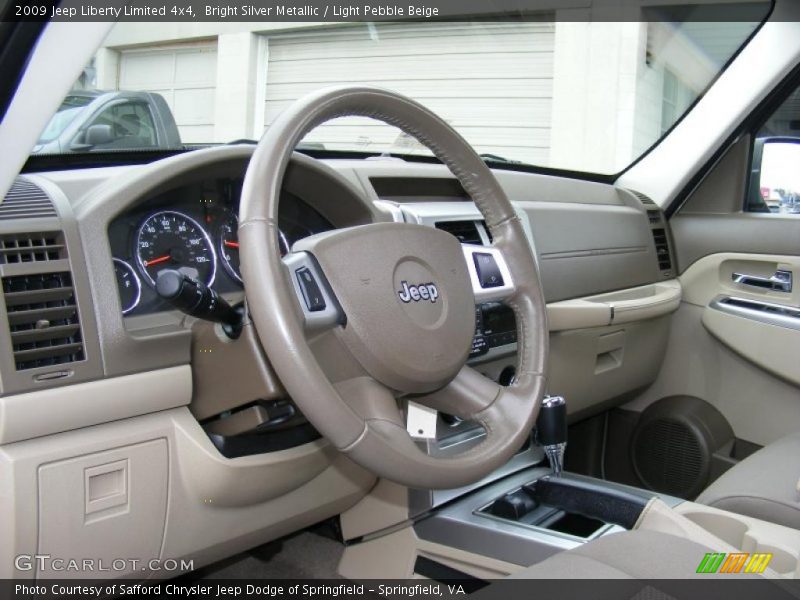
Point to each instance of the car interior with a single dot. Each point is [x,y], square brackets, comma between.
[276,360]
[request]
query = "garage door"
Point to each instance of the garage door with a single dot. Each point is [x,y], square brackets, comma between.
[186,77]
[492,81]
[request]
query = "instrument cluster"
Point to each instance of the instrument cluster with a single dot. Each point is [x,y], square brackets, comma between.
[192,229]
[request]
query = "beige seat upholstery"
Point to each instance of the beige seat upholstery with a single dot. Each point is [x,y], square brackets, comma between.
[763,486]
[639,554]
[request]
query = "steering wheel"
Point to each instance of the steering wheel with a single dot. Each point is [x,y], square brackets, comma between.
[355,319]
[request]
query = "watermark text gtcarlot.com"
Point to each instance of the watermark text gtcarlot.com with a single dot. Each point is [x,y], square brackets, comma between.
[46,562]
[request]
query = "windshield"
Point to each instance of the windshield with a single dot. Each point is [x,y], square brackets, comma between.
[66,113]
[582,96]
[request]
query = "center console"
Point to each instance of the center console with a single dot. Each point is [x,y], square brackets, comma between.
[536,512]
[532,515]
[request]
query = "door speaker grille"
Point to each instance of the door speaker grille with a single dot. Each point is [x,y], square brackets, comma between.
[674,442]
[668,457]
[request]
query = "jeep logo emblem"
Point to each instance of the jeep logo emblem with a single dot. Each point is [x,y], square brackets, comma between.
[415,293]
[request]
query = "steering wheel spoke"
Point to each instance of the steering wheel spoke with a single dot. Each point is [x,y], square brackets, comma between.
[466,396]
[489,273]
[370,399]
[316,299]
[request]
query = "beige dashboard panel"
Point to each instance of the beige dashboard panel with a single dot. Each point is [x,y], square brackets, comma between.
[577,314]
[105,504]
[595,367]
[246,480]
[614,308]
[44,412]
[147,478]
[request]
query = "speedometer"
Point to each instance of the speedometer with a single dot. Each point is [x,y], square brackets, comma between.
[171,240]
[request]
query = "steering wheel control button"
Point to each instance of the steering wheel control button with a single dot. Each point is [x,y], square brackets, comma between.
[488,272]
[479,346]
[312,294]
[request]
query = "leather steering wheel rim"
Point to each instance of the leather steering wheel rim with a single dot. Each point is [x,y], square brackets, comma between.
[368,429]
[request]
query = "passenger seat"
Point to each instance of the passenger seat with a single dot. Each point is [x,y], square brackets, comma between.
[765,485]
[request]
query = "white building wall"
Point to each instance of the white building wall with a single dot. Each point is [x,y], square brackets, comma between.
[241,57]
[596,77]
[581,95]
[647,116]
[491,81]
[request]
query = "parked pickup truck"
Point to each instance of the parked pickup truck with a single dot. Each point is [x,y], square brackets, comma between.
[97,120]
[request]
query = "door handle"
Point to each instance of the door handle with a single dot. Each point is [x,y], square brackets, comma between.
[781,281]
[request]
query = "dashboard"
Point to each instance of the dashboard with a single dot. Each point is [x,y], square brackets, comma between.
[171,399]
[193,229]
[114,230]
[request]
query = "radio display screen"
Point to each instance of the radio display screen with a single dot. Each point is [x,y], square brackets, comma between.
[498,319]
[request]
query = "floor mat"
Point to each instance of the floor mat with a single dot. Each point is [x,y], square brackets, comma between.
[303,556]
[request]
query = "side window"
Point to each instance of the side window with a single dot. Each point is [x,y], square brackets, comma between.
[775,170]
[129,125]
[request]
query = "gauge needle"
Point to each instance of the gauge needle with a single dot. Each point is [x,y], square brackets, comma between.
[155,261]
[231,244]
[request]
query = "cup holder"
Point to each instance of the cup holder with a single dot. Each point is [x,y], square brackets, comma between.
[781,562]
[737,533]
[728,529]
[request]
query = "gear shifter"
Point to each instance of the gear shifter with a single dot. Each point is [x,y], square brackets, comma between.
[551,431]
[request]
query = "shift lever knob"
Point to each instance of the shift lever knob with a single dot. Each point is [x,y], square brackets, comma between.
[551,431]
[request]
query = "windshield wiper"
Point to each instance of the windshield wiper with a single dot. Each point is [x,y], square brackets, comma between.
[487,157]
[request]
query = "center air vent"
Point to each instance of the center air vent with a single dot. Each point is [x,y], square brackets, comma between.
[662,249]
[31,247]
[466,231]
[26,200]
[43,320]
[654,217]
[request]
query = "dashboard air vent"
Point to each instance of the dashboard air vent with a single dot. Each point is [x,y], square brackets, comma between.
[26,200]
[43,320]
[31,247]
[662,249]
[642,198]
[654,216]
[466,231]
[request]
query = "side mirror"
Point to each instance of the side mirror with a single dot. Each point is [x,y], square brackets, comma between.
[775,176]
[97,135]
[94,135]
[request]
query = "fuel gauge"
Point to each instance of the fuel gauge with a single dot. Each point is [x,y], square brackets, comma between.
[128,284]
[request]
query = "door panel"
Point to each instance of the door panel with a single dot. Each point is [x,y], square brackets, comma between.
[746,317]
[742,360]
[745,364]
[760,406]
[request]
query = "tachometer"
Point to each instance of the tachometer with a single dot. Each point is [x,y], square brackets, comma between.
[130,290]
[171,240]
[229,245]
